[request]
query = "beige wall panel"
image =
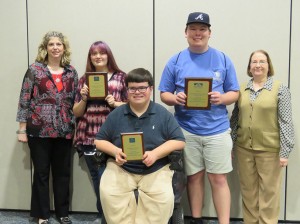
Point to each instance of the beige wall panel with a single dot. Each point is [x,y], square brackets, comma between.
[293,183]
[237,29]
[125,25]
[14,166]
[82,194]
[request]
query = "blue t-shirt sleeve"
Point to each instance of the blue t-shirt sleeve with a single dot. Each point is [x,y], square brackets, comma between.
[174,130]
[230,82]
[167,81]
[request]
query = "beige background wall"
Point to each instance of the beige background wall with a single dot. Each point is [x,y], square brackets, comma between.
[141,33]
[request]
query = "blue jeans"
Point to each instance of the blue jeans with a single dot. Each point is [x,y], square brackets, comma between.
[96,172]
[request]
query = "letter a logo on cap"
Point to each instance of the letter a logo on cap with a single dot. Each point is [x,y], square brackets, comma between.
[199,17]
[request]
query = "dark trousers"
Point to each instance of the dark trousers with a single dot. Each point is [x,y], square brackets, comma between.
[54,153]
[96,172]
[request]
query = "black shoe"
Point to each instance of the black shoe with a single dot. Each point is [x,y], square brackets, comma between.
[196,221]
[65,220]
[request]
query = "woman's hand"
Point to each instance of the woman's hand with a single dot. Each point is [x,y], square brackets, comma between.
[84,92]
[283,162]
[22,138]
[110,100]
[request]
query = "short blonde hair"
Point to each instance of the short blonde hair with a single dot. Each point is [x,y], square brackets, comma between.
[42,55]
[271,69]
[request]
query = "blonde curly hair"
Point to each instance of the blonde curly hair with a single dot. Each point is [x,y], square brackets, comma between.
[42,55]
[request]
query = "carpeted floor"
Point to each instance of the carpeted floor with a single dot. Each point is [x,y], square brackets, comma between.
[13,217]
[23,217]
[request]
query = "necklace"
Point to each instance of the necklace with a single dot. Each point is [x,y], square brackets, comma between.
[58,81]
[57,77]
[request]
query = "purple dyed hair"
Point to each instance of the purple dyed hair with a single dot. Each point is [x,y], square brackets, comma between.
[102,47]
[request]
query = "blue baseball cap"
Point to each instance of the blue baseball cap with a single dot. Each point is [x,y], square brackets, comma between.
[198,17]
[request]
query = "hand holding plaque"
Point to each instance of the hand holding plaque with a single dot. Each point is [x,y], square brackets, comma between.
[196,90]
[97,84]
[133,145]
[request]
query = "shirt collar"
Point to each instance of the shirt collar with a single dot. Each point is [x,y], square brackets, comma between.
[66,67]
[149,111]
[268,84]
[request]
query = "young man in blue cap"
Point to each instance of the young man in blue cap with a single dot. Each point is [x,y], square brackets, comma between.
[207,132]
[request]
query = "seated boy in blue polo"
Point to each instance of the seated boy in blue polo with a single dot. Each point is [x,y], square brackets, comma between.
[150,176]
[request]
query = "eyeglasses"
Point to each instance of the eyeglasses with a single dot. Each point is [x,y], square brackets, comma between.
[141,89]
[261,62]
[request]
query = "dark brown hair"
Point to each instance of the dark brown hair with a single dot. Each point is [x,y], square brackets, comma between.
[139,75]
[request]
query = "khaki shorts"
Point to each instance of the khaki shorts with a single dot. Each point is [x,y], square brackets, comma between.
[211,153]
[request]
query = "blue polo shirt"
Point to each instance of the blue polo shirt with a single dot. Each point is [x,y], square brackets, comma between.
[157,124]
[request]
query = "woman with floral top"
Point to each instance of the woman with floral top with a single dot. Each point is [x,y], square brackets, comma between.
[91,114]
[263,132]
[46,122]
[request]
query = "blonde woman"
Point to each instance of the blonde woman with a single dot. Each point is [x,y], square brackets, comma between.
[46,122]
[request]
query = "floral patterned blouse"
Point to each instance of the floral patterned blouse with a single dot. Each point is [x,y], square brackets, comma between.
[97,110]
[47,111]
